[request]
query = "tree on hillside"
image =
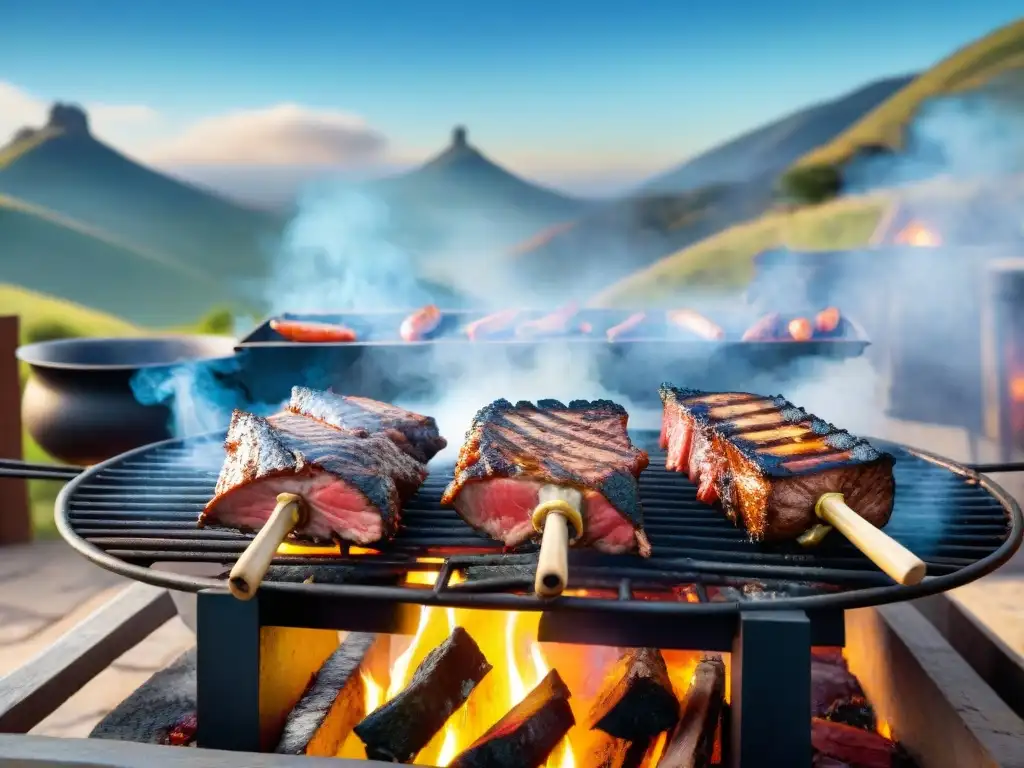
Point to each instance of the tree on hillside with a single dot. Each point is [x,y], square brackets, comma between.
[812,184]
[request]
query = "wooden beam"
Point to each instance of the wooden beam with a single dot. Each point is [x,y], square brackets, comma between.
[49,752]
[15,517]
[935,704]
[36,689]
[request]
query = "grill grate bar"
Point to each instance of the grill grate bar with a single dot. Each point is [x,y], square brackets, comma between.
[142,509]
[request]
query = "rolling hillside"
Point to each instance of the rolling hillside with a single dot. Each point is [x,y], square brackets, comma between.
[63,168]
[35,309]
[883,129]
[717,189]
[53,254]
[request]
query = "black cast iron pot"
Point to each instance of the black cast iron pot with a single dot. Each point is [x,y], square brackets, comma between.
[80,405]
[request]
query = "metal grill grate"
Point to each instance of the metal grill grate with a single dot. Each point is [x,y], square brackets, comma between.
[141,508]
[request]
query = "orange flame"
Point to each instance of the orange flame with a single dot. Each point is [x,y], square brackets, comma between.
[918,235]
[508,640]
[1017,389]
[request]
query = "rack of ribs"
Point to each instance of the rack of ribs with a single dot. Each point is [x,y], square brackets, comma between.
[521,461]
[299,473]
[782,473]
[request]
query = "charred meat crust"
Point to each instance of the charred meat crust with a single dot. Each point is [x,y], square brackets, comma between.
[415,434]
[549,442]
[774,460]
[287,444]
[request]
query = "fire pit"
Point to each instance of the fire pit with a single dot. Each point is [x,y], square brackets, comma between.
[706,590]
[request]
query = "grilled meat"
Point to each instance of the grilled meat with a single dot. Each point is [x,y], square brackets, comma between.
[768,461]
[628,325]
[511,451]
[420,323]
[492,325]
[415,434]
[695,323]
[353,485]
[552,324]
[312,332]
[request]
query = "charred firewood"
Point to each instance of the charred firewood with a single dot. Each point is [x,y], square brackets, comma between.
[334,702]
[692,743]
[182,733]
[831,683]
[853,746]
[608,752]
[528,733]
[637,701]
[397,731]
[855,711]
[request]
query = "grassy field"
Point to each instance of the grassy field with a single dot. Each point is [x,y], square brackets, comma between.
[724,262]
[970,67]
[36,311]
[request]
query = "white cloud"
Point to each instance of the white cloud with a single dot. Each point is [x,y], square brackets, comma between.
[281,135]
[19,108]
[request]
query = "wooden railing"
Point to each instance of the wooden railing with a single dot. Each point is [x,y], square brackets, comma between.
[15,519]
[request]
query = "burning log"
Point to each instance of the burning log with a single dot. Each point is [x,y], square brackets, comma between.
[692,743]
[831,684]
[855,712]
[608,752]
[334,702]
[853,747]
[182,733]
[398,730]
[530,731]
[637,701]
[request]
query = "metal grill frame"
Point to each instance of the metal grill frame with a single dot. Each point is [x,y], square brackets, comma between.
[487,595]
[769,642]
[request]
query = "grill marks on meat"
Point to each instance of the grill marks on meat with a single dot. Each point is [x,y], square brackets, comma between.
[353,484]
[511,451]
[415,434]
[768,461]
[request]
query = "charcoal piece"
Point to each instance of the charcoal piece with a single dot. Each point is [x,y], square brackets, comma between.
[637,701]
[855,711]
[154,710]
[334,702]
[182,733]
[527,734]
[399,729]
[854,746]
[608,752]
[692,742]
[831,682]
[324,574]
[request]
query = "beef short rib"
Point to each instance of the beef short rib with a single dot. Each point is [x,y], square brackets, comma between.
[768,461]
[353,485]
[415,434]
[512,451]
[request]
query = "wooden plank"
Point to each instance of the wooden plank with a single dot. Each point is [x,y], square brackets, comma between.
[36,689]
[935,704]
[995,662]
[15,516]
[48,752]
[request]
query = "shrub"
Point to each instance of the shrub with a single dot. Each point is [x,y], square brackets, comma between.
[218,321]
[50,329]
[812,184]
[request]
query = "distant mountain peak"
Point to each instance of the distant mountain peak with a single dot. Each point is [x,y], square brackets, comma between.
[460,137]
[71,119]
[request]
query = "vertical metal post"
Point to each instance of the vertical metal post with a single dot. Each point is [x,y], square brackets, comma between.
[15,514]
[771,691]
[227,672]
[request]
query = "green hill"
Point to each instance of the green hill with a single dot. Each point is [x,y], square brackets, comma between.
[36,310]
[49,253]
[883,129]
[728,184]
[62,167]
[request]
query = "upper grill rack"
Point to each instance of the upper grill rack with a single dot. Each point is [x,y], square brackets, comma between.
[141,508]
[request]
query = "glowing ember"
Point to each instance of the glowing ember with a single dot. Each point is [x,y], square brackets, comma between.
[918,235]
[1017,389]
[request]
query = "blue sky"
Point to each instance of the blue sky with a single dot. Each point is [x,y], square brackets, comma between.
[550,88]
